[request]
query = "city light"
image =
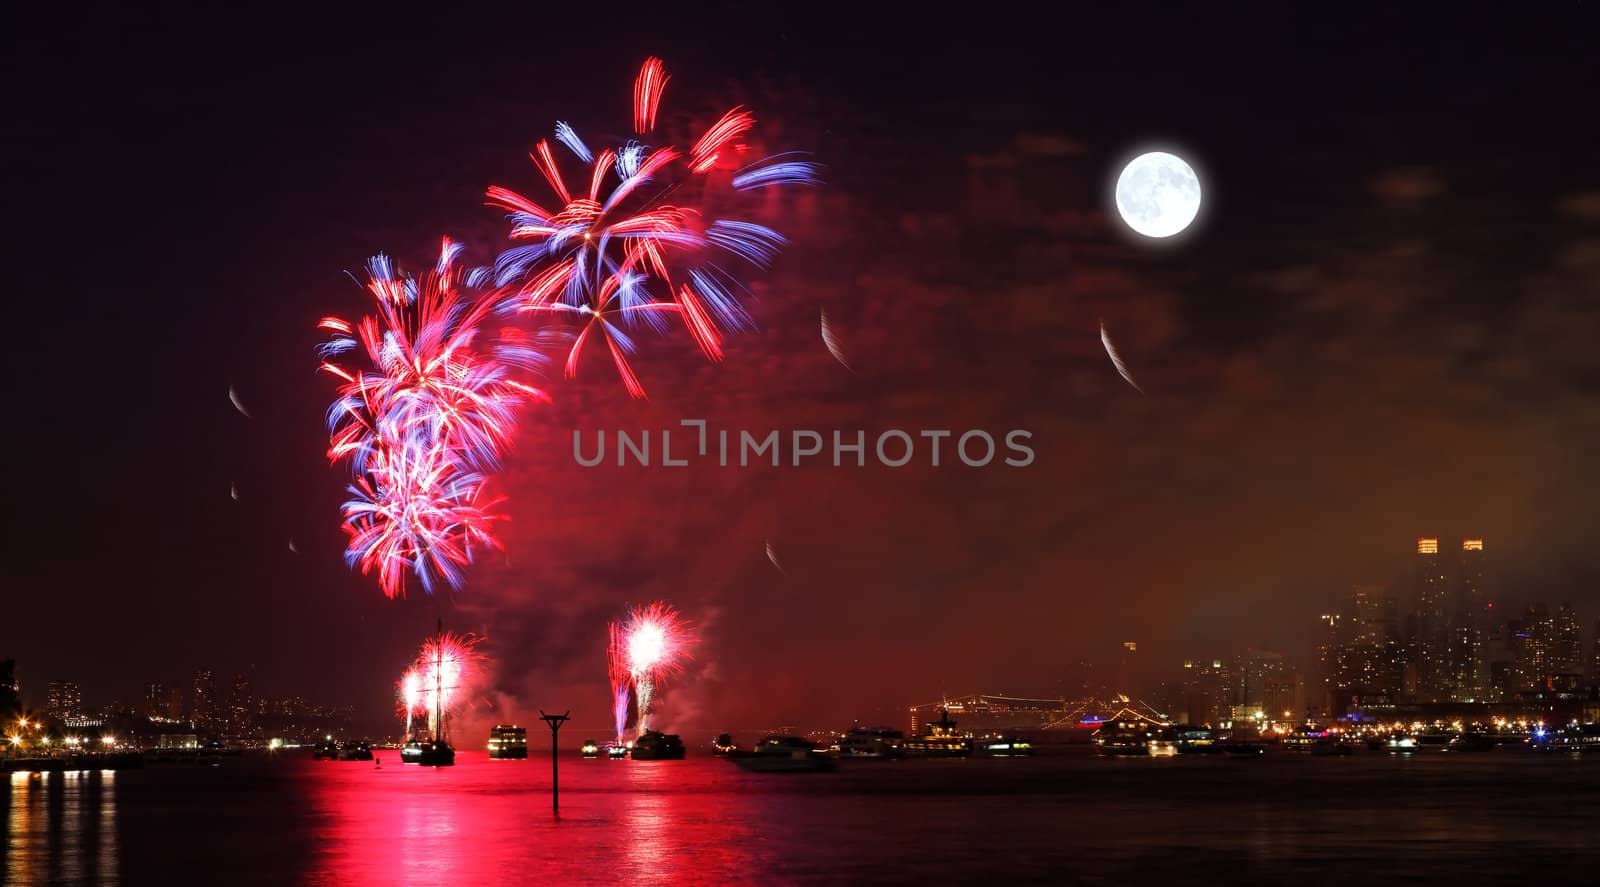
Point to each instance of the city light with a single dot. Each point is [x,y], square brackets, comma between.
[1427,546]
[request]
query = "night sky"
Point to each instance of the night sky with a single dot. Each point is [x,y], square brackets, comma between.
[1383,325]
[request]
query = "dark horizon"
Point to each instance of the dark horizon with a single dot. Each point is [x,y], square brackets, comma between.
[1381,327]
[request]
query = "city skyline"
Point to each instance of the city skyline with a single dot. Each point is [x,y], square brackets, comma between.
[1445,639]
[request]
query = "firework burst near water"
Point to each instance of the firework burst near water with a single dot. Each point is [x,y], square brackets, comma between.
[441,679]
[650,644]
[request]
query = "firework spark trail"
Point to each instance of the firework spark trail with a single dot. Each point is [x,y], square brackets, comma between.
[648,646]
[410,692]
[1116,360]
[621,678]
[421,428]
[832,342]
[623,259]
[233,396]
[772,555]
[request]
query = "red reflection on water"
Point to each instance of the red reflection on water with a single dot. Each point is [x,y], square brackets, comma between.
[482,821]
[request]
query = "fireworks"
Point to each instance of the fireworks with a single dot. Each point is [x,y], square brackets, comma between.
[438,682]
[832,342]
[638,238]
[1116,359]
[436,410]
[645,648]
[618,257]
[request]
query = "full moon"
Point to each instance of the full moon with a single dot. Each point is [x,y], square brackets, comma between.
[1158,194]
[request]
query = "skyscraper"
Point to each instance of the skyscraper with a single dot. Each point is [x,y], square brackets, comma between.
[64,701]
[241,708]
[1594,657]
[1431,643]
[204,699]
[155,700]
[1566,642]
[1467,677]
[1363,656]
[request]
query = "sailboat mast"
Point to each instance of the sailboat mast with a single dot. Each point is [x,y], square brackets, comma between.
[438,685]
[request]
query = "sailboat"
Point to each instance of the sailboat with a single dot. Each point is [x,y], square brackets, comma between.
[435,751]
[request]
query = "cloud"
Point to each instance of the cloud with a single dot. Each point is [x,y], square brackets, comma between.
[1408,187]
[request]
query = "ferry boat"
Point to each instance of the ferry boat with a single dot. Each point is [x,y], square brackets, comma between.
[508,741]
[589,749]
[653,745]
[782,754]
[872,742]
[1133,738]
[941,741]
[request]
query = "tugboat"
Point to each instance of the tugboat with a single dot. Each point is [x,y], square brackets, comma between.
[589,749]
[723,745]
[327,750]
[507,742]
[653,745]
[782,754]
[355,751]
[872,742]
[616,750]
[941,740]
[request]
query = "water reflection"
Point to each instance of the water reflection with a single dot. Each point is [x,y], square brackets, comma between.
[482,819]
[61,826]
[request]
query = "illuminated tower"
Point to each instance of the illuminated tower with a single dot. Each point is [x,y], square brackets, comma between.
[1566,648]
[1431,643]
[1594,657]
[1467,677]
[204,698]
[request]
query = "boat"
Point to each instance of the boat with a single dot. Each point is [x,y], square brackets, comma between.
[355,751]
[871,742]
[589,749]
[433,751]
[723,745]
[1196,740]
[1436,738]
[508,741]
[326,751]
[1004,747]
[616,750]
[653,745]
[1244,749]
[1118,738]
[782,754]
[940,741]
[1572,738]
[1401,744]
[1472,742]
